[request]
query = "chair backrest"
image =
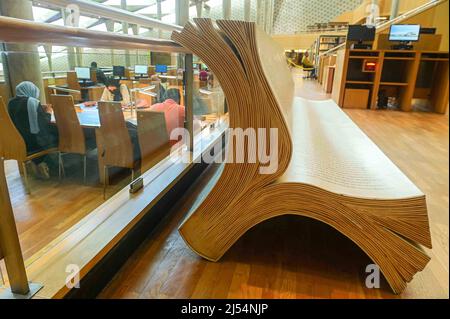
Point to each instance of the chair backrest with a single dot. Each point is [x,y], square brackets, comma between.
[116,142]
[72,80]
[71,135]
[152,134]
[12,145]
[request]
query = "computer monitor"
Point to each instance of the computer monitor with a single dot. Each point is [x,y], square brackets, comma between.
[360,33]
[83,73]
[161,68]
[119,71]
[404,32]
[141,69]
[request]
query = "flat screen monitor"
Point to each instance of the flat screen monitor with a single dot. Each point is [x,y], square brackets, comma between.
[360,33]
[404,32]
[118,71]
[83,73]
[141,69]
[161,68]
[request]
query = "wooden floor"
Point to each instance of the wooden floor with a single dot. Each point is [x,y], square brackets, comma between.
[294,257]
[52,207]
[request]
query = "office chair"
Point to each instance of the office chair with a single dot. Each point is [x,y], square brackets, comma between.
[311,73]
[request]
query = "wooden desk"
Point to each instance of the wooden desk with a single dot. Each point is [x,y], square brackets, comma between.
[89,119]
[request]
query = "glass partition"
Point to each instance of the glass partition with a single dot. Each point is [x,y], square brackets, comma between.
[102,118]
[208,100]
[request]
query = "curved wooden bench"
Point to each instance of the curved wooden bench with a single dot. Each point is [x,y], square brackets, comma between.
[328,169]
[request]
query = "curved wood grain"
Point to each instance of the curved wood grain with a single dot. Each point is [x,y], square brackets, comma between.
[328,169]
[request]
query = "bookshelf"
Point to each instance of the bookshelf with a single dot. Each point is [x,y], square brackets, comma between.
[400,76]
[324,43]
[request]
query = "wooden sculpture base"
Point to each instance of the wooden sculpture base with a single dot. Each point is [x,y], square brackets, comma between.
[328,169]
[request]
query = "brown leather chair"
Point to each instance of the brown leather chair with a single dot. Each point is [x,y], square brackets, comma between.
[71,135]
[12,144]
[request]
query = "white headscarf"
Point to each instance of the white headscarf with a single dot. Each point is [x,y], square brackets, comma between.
[31,91]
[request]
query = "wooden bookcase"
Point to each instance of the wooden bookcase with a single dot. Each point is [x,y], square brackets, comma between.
[407,75]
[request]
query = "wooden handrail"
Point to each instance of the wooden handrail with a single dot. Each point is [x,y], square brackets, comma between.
[14,30]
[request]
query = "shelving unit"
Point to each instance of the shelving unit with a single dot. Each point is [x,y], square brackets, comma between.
[405,75]
[324,43]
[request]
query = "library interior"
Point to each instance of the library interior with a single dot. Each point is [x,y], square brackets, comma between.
[224,149]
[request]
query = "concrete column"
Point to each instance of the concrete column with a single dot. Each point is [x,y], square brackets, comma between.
[135,30]
[394,9]
[181,18]
[159,15]
[226,8]
[123,5]
[110,28]
[260,12]
[199,7]
[247,6]
[20,66]
[181,12]
[268,16]
[48,53]
[71,54]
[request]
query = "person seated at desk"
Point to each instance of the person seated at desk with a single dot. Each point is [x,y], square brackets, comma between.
[101,78]
[160,90]
[307,64]
[116,92]
[174,113]
[32,120]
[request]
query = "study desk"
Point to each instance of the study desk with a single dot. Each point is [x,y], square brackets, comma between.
[89,119]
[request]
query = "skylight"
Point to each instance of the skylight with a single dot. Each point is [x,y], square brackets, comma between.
[43,14]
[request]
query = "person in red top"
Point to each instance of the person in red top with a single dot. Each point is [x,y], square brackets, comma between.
[203,75]
[174,113]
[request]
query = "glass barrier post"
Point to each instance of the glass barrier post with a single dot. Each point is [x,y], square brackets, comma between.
[188,91]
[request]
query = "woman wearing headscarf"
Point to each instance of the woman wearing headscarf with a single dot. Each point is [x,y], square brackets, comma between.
[32,120]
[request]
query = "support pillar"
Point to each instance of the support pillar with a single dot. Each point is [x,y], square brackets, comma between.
[159,16]
[199,8]
[24,64]
[181,12]
[71,54]
[181,18]
[260,13]
[247,6]
[48,53]
[110,28]
[226,8]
